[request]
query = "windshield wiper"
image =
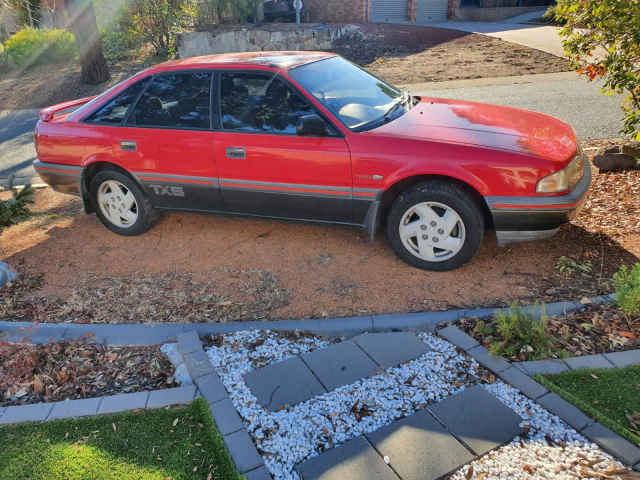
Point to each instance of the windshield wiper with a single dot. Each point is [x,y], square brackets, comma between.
[404,100]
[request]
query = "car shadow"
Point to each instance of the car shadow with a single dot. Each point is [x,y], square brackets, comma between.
[324,270]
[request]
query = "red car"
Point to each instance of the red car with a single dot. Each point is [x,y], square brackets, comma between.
[310,136]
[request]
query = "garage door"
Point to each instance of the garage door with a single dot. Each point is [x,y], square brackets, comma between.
[431,11]
[393,11]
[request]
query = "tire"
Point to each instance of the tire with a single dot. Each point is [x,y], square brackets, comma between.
[442,226]
[135,218]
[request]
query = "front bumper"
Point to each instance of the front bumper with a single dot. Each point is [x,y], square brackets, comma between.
[62,178]
[518,219]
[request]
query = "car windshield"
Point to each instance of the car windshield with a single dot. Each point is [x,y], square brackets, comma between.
[360,100]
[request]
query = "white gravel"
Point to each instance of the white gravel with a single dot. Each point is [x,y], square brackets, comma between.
[294,434]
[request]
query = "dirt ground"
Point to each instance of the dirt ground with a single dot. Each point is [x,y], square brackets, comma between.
[405,54]
[195,268]
[400,54]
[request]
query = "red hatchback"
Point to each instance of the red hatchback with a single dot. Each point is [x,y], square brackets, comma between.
[310,136]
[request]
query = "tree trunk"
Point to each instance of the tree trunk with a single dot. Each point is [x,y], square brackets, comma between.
[82,22]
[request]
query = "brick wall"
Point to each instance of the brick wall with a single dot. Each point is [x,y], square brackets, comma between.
[338,11]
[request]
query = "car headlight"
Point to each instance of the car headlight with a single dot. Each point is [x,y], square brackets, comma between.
[565,179]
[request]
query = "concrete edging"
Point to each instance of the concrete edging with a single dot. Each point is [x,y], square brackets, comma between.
[519,374]
[243,452]
[89,407]
[142,334]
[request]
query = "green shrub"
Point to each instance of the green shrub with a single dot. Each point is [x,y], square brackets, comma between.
[32,46]
[16,208]
[520,334]
[115,44]
[551,16]
[627,284]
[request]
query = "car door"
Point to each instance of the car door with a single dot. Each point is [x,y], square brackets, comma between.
[167,141]
[265,167]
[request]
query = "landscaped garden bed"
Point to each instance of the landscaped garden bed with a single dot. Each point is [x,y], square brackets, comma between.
[175,443]
[610,396]
[79,369]
[595,329]
[290,435]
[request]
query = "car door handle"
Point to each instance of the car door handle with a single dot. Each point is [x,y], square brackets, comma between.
[128,145]
[236,153]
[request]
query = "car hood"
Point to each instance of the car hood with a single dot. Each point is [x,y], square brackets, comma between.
[487,126]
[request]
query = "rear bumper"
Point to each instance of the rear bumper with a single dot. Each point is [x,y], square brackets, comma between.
[62,178]
[518,219]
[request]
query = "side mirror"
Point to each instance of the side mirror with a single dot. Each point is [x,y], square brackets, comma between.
[312,125]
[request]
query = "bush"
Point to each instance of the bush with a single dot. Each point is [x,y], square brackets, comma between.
[115,44]
[627,284]
[32,46]
[551,15]
[601,40]
[521,335]
[16,208]
[159,21]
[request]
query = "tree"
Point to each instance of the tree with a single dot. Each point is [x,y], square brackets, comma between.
[602,40]
[82,22]
[158,21]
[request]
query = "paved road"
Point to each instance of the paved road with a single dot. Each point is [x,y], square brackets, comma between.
[564,95]
[16,145]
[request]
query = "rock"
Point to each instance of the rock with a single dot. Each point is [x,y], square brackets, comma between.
[614,161]
[7,274]
[632,149]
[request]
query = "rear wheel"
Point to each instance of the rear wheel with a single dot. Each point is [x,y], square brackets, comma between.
[120,204]
[435,226]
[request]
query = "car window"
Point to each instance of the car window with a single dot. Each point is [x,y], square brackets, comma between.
[180,100]
[115,111]
[257,102]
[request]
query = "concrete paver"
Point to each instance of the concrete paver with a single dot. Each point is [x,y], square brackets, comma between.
[478,418]
[283,383]
[419,448]
[356,459]
[391,349]
[339,364]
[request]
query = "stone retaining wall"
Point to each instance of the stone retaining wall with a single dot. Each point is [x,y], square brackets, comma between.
[264,38]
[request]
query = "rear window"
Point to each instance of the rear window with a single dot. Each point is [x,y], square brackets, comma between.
[115,111]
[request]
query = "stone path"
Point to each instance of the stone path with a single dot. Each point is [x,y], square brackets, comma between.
[300,378]
[422,446]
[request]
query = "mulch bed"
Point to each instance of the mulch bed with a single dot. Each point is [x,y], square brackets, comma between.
[74,370]
[165,298]
[595,329]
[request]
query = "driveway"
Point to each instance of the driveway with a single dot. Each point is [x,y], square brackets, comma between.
[516,30]
[17,151]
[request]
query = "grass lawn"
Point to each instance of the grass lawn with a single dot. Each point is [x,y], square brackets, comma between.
[176,444]
[608,395]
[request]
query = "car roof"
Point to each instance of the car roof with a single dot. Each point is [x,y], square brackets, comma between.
[279,60]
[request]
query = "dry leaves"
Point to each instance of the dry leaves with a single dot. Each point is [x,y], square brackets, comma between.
[61,370]
[165,298]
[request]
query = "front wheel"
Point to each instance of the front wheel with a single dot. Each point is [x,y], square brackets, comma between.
[435,226]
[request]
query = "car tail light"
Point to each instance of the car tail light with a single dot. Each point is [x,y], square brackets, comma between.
[565,179]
